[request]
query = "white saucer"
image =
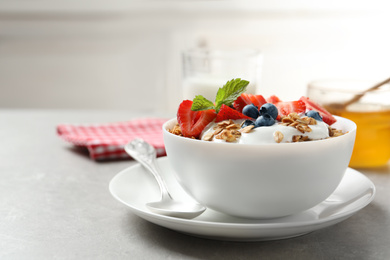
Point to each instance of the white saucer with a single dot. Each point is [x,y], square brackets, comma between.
[135,187]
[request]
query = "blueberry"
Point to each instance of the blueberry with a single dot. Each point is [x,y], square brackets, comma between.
[270,109]
[247,122]
[264,120]
[314,114]
[251,111]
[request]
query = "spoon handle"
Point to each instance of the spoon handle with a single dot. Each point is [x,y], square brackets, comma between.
[152,167]
[145,154]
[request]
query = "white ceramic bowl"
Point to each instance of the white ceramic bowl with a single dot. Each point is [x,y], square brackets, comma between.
[260,180]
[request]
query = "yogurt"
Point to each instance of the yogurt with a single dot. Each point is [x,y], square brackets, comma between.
[265,134]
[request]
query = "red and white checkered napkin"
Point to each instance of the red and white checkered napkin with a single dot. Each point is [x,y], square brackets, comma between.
[107,141]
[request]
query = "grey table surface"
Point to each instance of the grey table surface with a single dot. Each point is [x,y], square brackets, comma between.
[55,204]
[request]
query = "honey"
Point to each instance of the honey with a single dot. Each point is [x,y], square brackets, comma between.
[372,145]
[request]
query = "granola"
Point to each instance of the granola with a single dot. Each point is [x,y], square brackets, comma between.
[176,130]
[278,136]
[300,123]
[226,130]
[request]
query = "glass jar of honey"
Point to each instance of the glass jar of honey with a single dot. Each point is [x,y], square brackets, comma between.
[369,110]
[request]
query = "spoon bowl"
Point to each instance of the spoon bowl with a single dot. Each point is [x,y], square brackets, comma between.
[145,154]
[176,208]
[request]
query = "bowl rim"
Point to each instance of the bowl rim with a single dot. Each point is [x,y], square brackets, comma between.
[346,135]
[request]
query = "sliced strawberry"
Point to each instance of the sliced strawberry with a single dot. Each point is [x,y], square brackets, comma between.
[196,116]
[273,99]
[311,105]
[247,99]
[241,102]
[257,100]
[287,107]
[226,113]
[191,122]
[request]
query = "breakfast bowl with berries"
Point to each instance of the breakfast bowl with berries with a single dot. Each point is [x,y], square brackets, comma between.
[253,157]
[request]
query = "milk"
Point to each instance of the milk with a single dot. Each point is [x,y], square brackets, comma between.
[207,87]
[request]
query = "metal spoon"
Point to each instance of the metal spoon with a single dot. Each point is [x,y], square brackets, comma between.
[145,154]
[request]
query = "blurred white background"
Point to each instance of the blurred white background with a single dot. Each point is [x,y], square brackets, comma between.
[117,54]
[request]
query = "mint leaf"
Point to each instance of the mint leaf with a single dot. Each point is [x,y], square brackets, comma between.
[201,103]
[225,95]
[230,92]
